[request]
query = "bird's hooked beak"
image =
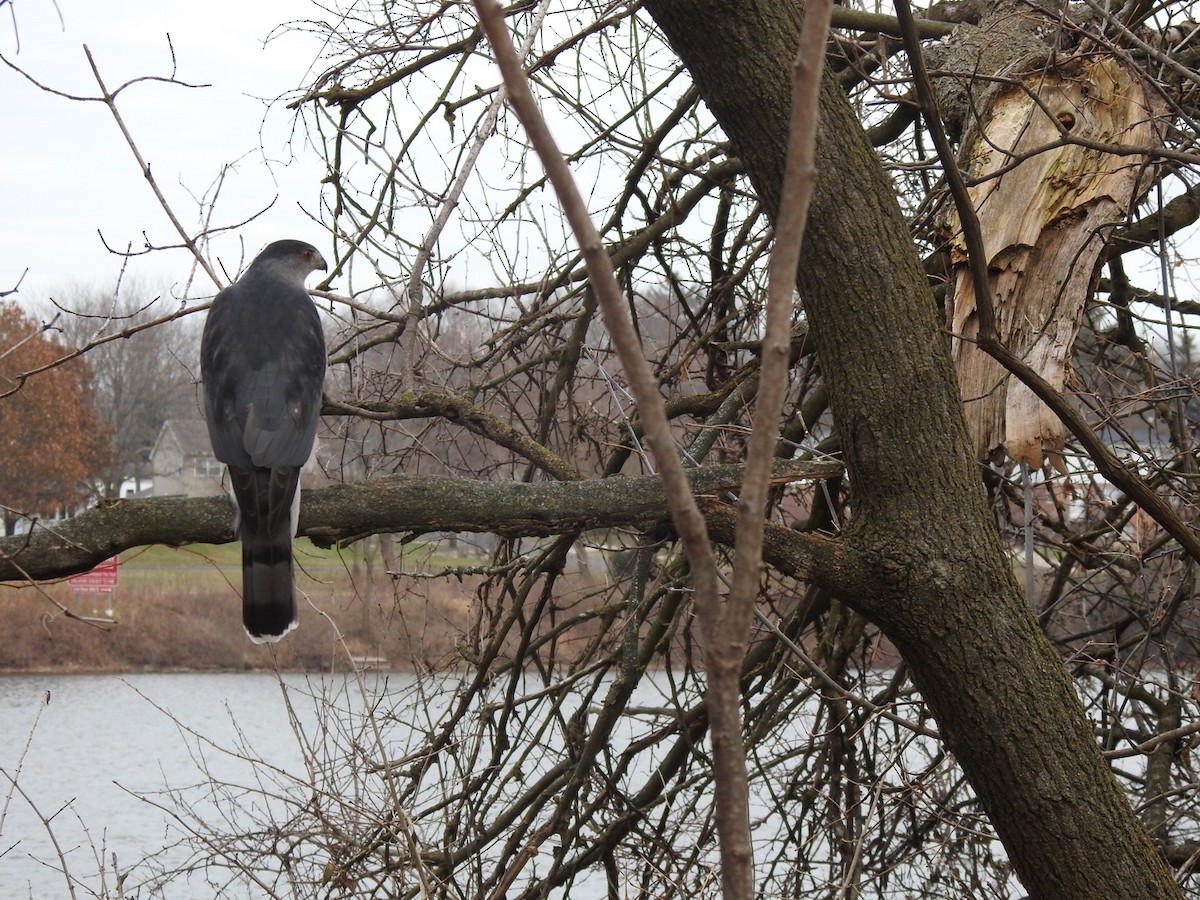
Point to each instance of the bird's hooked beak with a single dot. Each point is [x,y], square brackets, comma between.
[322,266]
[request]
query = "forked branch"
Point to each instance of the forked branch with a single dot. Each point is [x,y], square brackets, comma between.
[726,627]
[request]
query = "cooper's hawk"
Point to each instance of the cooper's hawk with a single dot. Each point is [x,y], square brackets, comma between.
[262,360]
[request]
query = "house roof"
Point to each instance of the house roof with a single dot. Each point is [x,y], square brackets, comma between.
[190,435]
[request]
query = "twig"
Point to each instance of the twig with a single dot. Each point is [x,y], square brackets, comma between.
[110,100]
[689,523]
[46,820]
[1149,745]
[416,288]
[16,288]
[404,818]
[977,260]
[799,180]
[20,379]
[832,686]
[16,775]
[728,628]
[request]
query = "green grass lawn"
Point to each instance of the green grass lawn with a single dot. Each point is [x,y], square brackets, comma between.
[218,566]
[223,556]
[227,558]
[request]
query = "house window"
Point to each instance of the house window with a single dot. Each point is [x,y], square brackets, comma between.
[206,467]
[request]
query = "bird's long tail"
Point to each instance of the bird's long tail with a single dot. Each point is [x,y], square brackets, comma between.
[268,598]
[269,500]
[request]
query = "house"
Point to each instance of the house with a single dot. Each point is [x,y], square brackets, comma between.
[133,487]
[182,461]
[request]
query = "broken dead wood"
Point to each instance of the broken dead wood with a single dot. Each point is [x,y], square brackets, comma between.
[1058,159]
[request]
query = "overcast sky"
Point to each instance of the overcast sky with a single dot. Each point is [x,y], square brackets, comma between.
[67,172]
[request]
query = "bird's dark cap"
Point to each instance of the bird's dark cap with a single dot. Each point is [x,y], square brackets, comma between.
[289,249]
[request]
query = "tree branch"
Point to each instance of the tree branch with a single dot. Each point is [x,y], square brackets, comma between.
[461,411]
[728,627]
[110,100]
[415,504]
[858,20]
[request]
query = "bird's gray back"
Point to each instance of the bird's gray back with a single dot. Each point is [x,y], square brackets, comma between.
[263,360]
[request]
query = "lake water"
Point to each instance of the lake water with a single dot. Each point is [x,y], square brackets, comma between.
[103,738]
[92,766]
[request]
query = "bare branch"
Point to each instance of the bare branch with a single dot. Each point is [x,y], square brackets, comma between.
[16,288]
[688,521]
[110,100]
[727,629]
[347,512]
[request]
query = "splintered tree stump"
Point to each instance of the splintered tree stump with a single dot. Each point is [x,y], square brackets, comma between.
[1047,192]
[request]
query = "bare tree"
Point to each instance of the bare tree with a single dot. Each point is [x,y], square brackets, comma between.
[144,368]
[910,709]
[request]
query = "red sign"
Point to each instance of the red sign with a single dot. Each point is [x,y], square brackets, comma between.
[100,580]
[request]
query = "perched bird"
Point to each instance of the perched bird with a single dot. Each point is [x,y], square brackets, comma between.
[262,361]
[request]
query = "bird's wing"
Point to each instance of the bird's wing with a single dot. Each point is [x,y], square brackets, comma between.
[263,364]
[221,363]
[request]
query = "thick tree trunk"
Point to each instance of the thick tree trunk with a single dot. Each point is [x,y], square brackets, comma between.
[1003,700]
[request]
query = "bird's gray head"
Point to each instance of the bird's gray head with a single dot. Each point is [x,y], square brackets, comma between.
[291,259]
